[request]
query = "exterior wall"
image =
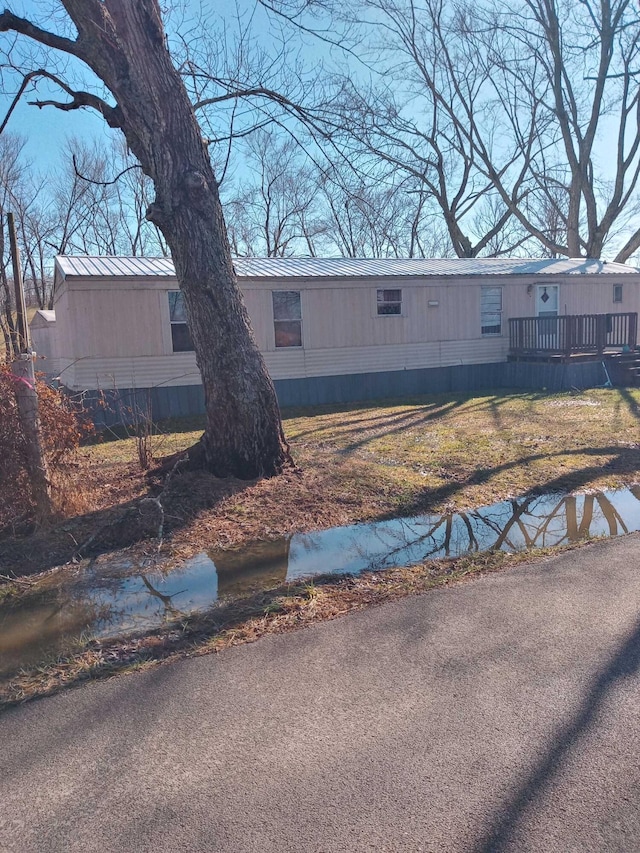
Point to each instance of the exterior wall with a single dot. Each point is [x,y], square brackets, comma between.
[43,338]
[143,372]
[345,315]
[115,333]
[181,368]
[111,322]
[102,325]
[297,363]
[577,295]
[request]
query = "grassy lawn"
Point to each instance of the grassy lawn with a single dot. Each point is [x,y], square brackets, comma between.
[429,454]
[424,454]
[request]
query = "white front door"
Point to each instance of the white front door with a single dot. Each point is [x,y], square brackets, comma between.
[547,305]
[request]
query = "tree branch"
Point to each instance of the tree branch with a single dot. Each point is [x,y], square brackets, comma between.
[11,22]
[79,99]
[101,183]
[632,244]
[25,82]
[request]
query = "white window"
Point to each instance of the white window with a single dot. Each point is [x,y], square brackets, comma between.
[491,310]
[180,335]
[287,318]
[389,302]
[617,293]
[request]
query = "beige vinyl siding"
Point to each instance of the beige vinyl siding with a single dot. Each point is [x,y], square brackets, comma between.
[136,372]
[376,359]
[181,369]
[345,315]
[586,295]
[112,322]
[116,333]
[43,341]
[260,310]
[66,372]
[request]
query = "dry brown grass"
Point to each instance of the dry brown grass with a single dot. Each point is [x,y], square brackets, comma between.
[61,428]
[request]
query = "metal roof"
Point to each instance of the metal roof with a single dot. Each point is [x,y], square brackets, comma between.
[261,268]
[109,265]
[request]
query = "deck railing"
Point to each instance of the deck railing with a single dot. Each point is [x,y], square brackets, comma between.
[572,333]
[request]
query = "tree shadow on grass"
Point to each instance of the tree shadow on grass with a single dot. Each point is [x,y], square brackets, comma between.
[624,663]
[414,411]
[630,400]
[624,460]
[364,432]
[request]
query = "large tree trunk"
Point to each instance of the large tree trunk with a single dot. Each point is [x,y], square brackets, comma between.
[124,43]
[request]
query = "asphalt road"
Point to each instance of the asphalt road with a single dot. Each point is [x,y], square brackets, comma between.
[501,714]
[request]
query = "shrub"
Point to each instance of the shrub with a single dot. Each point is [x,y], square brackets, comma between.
[63,427]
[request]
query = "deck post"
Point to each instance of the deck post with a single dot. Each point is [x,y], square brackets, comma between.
[633,331]
[601,332]
[569,335]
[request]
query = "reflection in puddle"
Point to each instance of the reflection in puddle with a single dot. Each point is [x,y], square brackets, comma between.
[114,597]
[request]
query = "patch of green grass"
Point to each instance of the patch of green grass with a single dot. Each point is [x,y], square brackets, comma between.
[493,446]
[108,450]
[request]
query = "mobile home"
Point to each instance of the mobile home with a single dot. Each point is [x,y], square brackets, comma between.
[333,330]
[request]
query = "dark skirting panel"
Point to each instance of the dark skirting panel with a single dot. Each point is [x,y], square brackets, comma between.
[178,401]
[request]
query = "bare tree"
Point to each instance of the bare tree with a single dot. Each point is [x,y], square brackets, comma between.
[34,232]
[436,106]
[273,213]
[522,121]
[12,169]
[587,55]
[379,217]
[125,46]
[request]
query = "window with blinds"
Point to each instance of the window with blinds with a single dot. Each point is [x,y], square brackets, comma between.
[180,335]
[287,318]
[491,310]
[389,302]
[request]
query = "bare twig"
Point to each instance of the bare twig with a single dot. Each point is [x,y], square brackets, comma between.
[100,183]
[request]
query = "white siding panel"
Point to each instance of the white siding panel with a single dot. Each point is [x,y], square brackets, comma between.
[299,364]
[480,351]
[181,369]
[286,363]
[145,372]
[260,310]
[43,340]
[49,366]
[66,371]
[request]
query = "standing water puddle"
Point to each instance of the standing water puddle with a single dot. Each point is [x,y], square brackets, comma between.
[112,598]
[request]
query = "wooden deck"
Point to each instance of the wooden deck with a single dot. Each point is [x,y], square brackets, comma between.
[571,336]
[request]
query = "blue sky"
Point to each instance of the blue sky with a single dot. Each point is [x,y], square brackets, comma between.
[47,130]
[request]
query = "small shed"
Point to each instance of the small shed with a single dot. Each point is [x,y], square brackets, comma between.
[333,329]
[43,340]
